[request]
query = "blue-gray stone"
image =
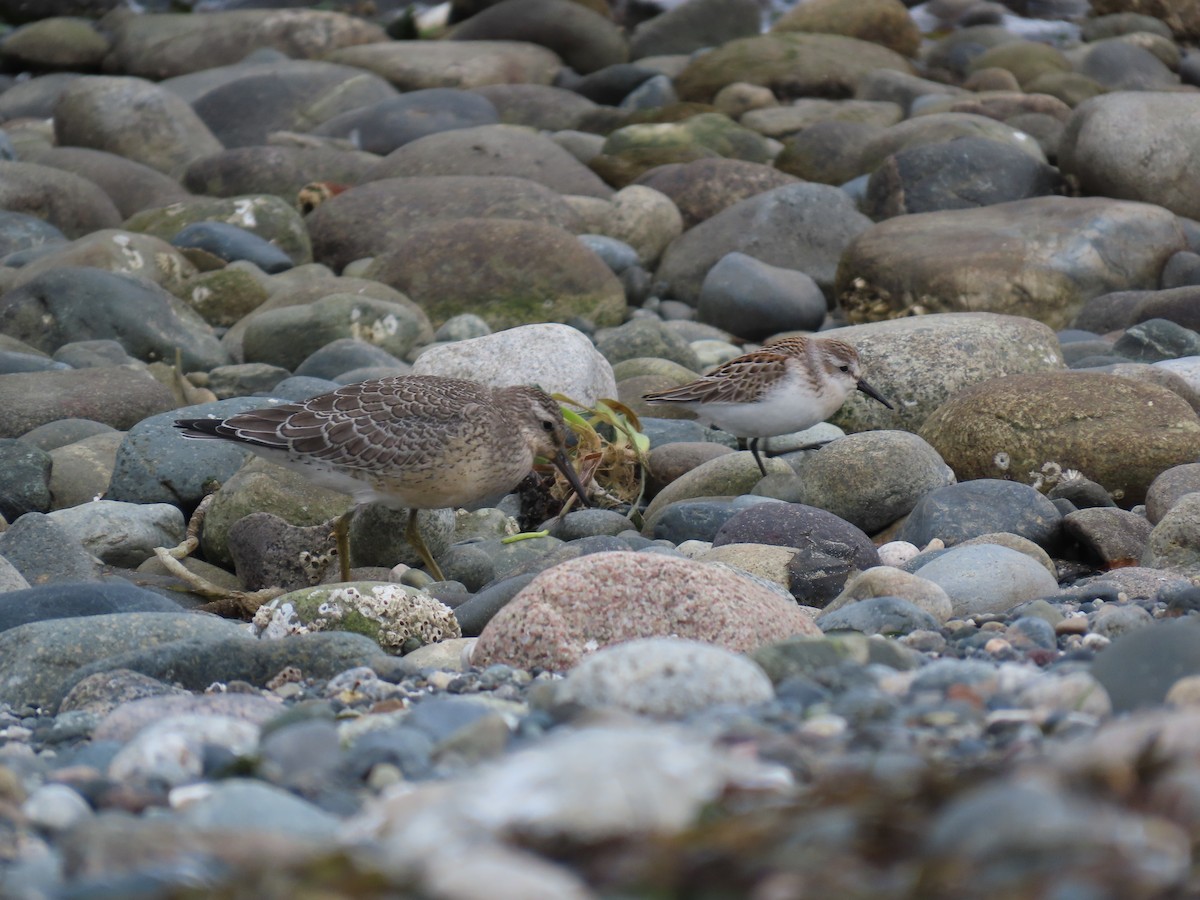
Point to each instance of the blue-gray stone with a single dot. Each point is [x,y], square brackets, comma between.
[230,243]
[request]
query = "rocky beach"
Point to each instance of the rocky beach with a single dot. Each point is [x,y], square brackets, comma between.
[940,650]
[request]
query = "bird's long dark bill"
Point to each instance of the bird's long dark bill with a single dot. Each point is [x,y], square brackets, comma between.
[872,393]
[564,465]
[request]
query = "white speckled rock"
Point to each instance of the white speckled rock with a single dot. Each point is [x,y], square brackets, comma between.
[988,578]
[388,613]
[665,678]
[606,598]
[557,358]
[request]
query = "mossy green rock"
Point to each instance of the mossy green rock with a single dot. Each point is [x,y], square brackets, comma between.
[508,272]
[224,296]
[715,131]
[271,218]
[261,486]
[287,336]
[792,65]
[393,615]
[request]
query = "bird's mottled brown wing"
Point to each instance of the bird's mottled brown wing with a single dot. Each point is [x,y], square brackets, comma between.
[740,380]
[371,426]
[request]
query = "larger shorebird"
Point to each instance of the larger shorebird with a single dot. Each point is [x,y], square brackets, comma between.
[410,442]
[786,386]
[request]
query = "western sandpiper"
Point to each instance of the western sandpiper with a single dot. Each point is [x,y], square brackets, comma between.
[410,442]
[786,386]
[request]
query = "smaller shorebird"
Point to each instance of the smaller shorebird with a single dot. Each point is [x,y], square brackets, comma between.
[410,442]
[786,386]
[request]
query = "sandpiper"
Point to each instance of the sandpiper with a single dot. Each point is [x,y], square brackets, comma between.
[410,442]
[786,386]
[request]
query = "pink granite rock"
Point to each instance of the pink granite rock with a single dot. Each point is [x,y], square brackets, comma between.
[602,599]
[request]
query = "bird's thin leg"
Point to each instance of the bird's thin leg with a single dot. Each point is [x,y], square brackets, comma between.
[413,535]
[757,458]
[341,535]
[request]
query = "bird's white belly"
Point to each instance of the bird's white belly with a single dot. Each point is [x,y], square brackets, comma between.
[779,412]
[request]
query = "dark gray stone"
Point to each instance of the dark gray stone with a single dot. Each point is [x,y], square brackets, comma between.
[828,547]
[19,231]
[12,361]
[958,174]
[59,433]
[754,300]
[582,523]
[393,122]
[72,599]
[1181,270]
[1157,339]
[196,662]
[24,479]
[44,553]
[694,520]
[344,355]
[76,303]
[984,506]
[156,464]
[879,615]
[1139,668]
[478,611]
[230,243]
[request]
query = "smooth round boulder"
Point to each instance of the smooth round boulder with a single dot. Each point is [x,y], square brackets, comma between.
[132,186]
[586,40]
[493,150]
[507,271]
[287,336]
[165,45]
[958,174]
[1118,432]
[72,204]
[134,118]
[1108,138]
[869,479]
[557,358]
[828,547]
[704,187]
[282,171]
[80,303]
[606,598]
[271,218]
[665,677]
[692,26]
[806,227]
[1041,258]
[397,206]
[754,300]
[792,65]
[970,509]
[921,361]
[884,22]
[254,101]
[392,122]
[987,578]
[415,65]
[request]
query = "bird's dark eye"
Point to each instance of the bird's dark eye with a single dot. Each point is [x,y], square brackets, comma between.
[844,368]
[547,425]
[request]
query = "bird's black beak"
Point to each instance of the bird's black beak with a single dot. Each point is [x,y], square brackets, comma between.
[564,465]
[872,393]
